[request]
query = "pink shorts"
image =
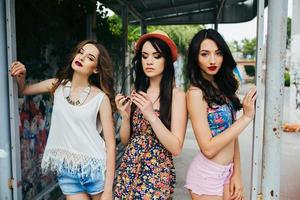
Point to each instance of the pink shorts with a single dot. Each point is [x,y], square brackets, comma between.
[206,177]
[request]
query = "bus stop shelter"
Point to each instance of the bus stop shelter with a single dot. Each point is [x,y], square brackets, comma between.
[160,12]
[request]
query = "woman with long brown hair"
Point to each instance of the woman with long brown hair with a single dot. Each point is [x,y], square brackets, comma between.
[212,103]
[83,102]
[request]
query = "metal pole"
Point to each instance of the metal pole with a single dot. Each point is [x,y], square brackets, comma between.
[13,102]
[295,65]
[257,125]
[216,25]
[125,70]
[143,27]
[219,10]
[276,45]
[5,154]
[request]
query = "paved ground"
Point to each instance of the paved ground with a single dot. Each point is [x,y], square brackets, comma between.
[182,162]
[290,160]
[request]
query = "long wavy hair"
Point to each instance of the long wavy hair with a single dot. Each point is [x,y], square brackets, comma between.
[141,81]
[226,82]
[103,80]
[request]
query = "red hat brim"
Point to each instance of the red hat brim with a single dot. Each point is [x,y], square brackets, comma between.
[164,38]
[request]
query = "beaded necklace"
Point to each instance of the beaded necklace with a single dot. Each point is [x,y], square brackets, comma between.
[82,95]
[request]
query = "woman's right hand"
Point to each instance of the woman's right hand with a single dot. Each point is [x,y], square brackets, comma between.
[248,103]
[123,105]
[17,69]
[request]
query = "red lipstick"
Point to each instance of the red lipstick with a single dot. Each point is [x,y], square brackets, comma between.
[212,68]
[78,63]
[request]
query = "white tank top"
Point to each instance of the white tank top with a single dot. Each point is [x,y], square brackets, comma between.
[74,142]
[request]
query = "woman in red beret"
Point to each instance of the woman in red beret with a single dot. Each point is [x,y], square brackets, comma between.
[153,122]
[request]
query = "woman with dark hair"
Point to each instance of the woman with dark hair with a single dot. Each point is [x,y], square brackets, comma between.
[153,122]
[83,104]
[212,104]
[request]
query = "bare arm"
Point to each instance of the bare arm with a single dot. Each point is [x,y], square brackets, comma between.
[18,71]
[171,139]
[197,108]
[236,184]
[110,143]
[124,110]
[237,158]
[125,130]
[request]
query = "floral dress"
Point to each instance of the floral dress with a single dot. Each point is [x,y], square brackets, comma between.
[147,169]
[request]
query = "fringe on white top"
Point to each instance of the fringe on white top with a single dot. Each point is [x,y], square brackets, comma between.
[74,143]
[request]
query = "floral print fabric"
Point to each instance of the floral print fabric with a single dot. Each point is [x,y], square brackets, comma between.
[220,117]
[147,169]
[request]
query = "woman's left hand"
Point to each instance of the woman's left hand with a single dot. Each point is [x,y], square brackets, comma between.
[142,101]
[106,195]
[236,188]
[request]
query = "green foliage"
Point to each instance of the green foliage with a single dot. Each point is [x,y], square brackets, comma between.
[249,48]
[181,34]
[235,46]
[250,70]
[109,31]
[114,29]
[115,25]
[287,79]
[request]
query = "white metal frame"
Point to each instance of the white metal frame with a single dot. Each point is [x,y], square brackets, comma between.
[13,102]
[257,125]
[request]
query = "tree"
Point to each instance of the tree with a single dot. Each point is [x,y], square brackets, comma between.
[234,46]
[249,48]
[110,29]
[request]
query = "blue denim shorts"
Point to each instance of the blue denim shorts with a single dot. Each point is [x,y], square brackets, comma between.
[72,184]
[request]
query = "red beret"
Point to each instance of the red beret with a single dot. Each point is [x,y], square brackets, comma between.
[160,35]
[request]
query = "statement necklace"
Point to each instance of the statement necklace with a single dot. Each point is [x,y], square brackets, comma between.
[82,95]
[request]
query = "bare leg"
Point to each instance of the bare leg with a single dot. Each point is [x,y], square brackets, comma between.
[204,197]
[97,196]
[80,196]
[226,193]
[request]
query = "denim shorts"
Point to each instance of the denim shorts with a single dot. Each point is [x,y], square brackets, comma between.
[72,184]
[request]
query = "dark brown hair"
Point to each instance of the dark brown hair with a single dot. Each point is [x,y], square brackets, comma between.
[225,79]
[103,80]
[141,81]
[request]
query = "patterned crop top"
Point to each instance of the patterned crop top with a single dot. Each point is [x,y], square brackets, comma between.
[220,117]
